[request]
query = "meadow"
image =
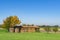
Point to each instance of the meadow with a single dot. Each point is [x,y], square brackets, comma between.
[4,35]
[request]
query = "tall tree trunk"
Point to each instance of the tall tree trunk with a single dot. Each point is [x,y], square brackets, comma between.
[8,29]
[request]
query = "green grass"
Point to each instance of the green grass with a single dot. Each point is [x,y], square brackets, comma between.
[4,35]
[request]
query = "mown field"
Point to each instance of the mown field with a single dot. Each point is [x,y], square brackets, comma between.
[4,35]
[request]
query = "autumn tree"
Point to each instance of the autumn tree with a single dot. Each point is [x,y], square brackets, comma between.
[11,21]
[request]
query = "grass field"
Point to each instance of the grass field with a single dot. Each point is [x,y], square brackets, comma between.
[4,35]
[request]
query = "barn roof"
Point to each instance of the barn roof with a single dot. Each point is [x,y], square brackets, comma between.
[26,26]
[31,26]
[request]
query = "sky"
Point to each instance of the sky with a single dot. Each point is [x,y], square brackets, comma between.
[39,12]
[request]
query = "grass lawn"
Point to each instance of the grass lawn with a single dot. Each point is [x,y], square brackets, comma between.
[28,36]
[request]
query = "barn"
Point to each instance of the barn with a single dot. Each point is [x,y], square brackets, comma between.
[17,29]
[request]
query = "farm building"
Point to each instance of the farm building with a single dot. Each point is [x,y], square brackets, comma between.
[24,29]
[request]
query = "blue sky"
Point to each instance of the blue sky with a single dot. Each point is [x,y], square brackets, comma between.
[40,12]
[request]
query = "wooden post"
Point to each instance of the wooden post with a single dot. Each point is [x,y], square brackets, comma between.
[16,30]
[11,29]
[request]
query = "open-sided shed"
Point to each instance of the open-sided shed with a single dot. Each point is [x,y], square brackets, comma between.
[24,29]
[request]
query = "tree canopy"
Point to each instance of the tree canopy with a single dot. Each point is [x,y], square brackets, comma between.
[11,21]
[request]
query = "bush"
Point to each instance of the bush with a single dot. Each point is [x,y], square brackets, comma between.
[55,28]
[47,29]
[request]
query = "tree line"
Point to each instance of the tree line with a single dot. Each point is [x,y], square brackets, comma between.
[49,28]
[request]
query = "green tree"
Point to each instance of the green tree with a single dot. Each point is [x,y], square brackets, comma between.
[43,26]
[47,29]
[28,25]
[55,28]
[24,24]
[32,25]
[11,21]
[0,25]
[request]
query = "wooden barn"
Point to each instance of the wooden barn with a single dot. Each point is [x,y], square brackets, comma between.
[24,29]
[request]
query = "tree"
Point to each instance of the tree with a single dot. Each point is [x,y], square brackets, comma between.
[55,28]
[0,25]
[32,25]
[11,21]
[24,24]
[47,29]
[28,25]
[43,26]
